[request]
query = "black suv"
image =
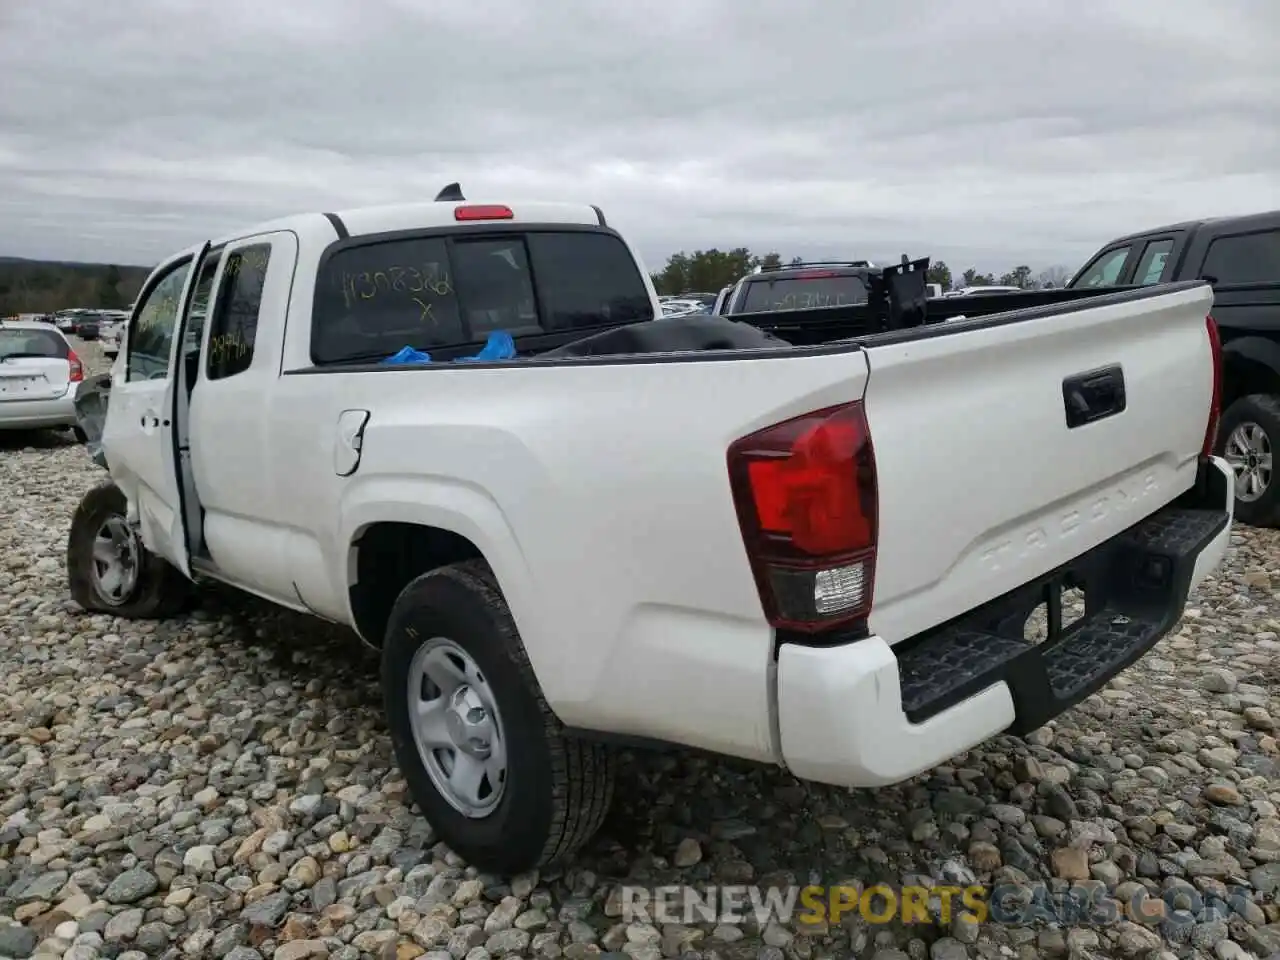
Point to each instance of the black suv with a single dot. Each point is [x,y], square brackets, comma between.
[1240,256]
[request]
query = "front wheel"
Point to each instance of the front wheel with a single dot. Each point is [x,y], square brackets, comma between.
[488,763]
[108,568]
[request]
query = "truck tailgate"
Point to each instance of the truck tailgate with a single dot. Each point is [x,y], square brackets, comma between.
[1008,445]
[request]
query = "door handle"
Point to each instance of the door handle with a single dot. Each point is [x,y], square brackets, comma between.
[1095,395]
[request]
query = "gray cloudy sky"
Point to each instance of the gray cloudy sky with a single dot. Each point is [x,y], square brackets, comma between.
[990,132]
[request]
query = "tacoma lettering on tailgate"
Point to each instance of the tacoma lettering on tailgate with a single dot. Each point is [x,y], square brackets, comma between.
[1022,546]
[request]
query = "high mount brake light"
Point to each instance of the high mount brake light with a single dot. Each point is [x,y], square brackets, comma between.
[815,275]
[807,501]
[77,368]
[1215,404]
[483,211]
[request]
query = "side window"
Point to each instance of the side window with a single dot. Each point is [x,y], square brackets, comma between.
[200,302]
[1151,266]
[1244,258]
[1104,271]
[233,326]
[151,334]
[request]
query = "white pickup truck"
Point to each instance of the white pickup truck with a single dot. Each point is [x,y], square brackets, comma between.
[818,557]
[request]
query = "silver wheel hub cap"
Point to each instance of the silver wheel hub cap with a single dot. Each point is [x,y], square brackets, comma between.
[457,728]
[1248,450]
[115,561]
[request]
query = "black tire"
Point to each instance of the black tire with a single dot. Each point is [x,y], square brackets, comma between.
[557,788]
[79,434]
[1262,409]
[159,591]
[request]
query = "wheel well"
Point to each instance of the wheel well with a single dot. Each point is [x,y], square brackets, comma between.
[388,556]
[1243,377]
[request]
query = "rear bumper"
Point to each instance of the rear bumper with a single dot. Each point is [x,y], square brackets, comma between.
[866,714]
[38,414]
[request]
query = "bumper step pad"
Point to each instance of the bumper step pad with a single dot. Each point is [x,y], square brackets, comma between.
[1135,587]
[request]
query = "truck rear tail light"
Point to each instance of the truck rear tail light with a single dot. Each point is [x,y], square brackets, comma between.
[1215,404]
[483,211]
[806,495]
[77,368]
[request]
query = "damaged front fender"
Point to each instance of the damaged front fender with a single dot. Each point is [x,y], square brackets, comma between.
[91,415]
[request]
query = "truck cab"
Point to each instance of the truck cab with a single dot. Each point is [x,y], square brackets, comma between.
[797,286]
[1240,257]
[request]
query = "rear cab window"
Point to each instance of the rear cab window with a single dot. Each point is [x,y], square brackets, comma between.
[804,291]
[376,296]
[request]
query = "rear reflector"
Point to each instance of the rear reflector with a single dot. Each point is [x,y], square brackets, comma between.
[481,211]
[806,495]
[1215,403]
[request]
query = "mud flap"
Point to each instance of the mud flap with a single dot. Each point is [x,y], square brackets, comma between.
[91,415]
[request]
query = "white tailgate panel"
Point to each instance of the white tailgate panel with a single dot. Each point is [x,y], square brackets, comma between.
[982,485]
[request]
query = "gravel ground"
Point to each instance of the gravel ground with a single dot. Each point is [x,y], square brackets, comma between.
[222,786]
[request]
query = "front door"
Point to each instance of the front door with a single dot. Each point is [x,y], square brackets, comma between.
[138,435]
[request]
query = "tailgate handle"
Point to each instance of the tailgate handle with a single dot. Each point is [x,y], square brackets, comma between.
[1093,395]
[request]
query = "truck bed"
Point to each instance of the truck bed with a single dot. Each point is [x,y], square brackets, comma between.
[827,324]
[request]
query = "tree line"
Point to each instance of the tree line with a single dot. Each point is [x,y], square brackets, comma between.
[37,286]
[40,286]
[708,271]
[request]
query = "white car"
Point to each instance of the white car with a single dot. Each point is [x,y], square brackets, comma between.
[109,337]
[39,376]
[564,530]
[982,291]
[675,307]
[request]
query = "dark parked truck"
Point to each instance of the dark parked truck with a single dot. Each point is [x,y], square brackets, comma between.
[797,286]
[1240,257]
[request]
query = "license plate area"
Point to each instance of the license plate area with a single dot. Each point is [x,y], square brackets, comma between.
[1044,614]
[19,387]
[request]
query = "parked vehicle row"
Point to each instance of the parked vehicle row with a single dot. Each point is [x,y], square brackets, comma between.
[979,290]
[689,303]
[441,449]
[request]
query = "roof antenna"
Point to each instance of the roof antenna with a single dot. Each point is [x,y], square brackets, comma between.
[451,193]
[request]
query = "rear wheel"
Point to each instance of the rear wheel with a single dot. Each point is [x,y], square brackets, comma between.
[487,762]
[1248,440]
[108,568]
